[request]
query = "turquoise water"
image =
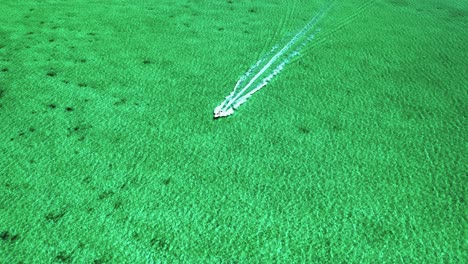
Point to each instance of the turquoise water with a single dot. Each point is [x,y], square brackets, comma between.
[354,152]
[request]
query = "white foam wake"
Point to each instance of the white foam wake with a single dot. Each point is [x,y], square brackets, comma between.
[265,70]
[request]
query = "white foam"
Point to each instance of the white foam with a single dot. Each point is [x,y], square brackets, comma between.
[278,61]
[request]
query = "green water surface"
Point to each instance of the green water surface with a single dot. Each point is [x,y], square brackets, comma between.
[354,153]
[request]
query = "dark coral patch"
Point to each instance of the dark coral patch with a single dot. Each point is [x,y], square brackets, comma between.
[51,74]
[64,257]
[304,130]
[55,216]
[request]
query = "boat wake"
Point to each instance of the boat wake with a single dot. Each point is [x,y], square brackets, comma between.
[263,71]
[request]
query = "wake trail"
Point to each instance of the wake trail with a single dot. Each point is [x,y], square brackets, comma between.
[262,71]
